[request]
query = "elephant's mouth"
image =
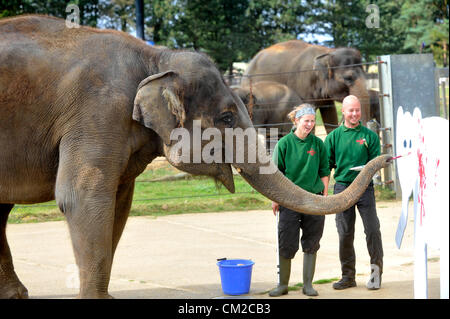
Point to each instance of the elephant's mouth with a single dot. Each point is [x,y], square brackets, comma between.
[221,172]
[226,177]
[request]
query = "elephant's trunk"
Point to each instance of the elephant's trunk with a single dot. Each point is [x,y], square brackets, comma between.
[281,190]
[360,91]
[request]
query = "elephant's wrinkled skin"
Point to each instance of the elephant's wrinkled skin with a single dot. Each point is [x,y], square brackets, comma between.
[319,75]
[270,103]
[82,113]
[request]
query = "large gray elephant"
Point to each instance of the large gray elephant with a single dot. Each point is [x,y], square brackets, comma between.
[319,75]
[269,103]
[82,113]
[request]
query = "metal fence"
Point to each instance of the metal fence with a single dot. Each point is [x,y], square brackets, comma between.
[407,80]
[378,82]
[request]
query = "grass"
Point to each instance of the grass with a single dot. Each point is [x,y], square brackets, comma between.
[299,285]
[317,282]
[319,120]
[194,195]
[384,194]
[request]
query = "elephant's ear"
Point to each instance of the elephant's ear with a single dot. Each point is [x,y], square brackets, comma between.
[322,65]
[157,105]
[245,95]
[251,102]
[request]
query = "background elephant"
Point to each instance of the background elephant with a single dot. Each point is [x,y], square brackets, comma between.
[271,103]
[374,105]
[319,75]
[82,113]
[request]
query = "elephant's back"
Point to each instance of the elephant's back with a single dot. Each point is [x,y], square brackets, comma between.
[275,91]
[53,32]
[41,54]
[275,62]
[272,59]
[38,39]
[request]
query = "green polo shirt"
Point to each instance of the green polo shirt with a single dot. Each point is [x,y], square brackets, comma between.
[350,147]
[304,162]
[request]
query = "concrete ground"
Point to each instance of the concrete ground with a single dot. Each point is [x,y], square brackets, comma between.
[175,257]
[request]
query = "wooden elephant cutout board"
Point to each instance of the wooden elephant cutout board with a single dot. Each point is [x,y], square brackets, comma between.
[423,148]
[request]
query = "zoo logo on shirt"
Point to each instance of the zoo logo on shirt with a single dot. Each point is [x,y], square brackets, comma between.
[311,152]
[362,141]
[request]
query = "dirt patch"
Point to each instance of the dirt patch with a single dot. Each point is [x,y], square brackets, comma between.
[161,163]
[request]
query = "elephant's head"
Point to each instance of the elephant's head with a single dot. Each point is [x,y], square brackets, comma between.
[340,75]
[201,123]
[247,97]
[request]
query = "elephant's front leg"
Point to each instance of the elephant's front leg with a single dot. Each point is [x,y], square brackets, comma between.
[329,115]
[91,229]
[124,199]
[86,190]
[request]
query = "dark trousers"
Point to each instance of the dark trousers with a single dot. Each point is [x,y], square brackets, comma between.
[289,226]
[345,223]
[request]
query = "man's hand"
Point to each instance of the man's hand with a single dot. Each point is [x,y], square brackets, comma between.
[275,208]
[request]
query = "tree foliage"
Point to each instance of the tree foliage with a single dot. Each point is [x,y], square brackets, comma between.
[235,30]
[425,25]
[88,9]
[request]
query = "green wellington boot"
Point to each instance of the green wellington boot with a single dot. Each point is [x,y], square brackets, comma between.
[309,267]
[285,273]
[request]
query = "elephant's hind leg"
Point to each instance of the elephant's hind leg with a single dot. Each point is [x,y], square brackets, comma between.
[10,285]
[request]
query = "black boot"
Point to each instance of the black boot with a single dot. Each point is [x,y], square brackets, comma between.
[344,283]
[309,267]
[285,273]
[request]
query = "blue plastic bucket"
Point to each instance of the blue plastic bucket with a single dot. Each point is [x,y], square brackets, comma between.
[235,275]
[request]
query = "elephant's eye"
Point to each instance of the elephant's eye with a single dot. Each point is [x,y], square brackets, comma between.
[348,78]
[227,118]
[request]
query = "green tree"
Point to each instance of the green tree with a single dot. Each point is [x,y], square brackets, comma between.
[216,27]
[11,8]
[159,18]
[273,21]
[425,24]
[346,23]
[228,30]
[117,14]
[56,8]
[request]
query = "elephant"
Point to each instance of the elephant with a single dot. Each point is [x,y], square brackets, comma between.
[269,103]
[319,75]
[84,111]
[374,105]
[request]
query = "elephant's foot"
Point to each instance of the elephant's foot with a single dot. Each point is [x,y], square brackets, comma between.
[13,290]
[94,295]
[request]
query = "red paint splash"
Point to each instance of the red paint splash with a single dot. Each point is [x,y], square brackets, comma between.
[435,172]
[422,184]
